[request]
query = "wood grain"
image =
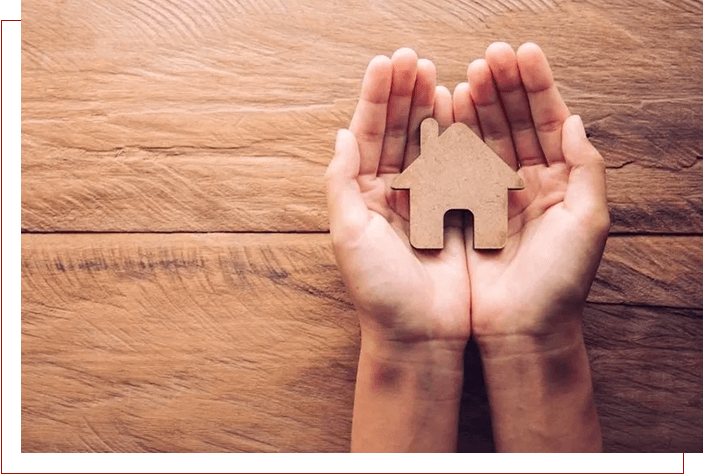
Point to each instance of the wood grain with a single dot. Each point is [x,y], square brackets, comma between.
[184,343]
[647,367]
[220,116]
[249,343]
[656,271]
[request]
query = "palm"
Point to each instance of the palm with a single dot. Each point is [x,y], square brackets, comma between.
[433,286]
[405,294]
[508,282]
[556,224]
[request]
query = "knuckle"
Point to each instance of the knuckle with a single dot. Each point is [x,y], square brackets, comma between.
[606,222]
[596,163]
[549,126]
[494,132]
[371,136]
[521,124]
[600,221]
[595,219]
[596,157]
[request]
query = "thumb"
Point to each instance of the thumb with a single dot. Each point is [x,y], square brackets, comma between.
[347,210]
[586,192]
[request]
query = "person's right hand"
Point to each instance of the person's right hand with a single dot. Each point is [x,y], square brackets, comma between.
[413,306]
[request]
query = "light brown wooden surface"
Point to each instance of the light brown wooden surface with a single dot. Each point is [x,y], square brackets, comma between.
[185,343]
[219,116]
[248,342]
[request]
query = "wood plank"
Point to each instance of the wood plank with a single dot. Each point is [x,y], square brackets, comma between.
[653,271]
[647,368]
[184,343]
[139,190]
[220,342]
[635,270]
[143,117]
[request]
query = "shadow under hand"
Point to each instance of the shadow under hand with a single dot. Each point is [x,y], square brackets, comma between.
[475,430]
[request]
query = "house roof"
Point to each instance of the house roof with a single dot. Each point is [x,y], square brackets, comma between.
[458,154]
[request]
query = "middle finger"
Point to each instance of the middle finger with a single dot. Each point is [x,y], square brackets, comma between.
[494,125]
[502,62]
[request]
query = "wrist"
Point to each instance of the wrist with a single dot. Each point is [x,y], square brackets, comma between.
[507,334]
[407,396]
[433,369]
[448,328]
[540,392]
[557,338]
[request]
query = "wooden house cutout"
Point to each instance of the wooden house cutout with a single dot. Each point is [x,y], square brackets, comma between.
[457,170]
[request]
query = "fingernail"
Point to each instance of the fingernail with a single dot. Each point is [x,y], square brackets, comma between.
[337,142]
[581,128]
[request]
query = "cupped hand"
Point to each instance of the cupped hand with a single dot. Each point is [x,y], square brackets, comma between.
[402,295]
[536,286]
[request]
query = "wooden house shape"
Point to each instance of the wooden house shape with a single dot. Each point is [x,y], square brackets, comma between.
[457,170]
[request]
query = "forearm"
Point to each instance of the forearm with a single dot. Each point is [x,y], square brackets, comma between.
[540,393]
[407,398]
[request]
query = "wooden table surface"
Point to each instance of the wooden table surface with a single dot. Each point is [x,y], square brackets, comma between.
[178,287]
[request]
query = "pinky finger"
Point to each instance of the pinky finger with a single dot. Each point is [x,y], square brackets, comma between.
[443,108]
